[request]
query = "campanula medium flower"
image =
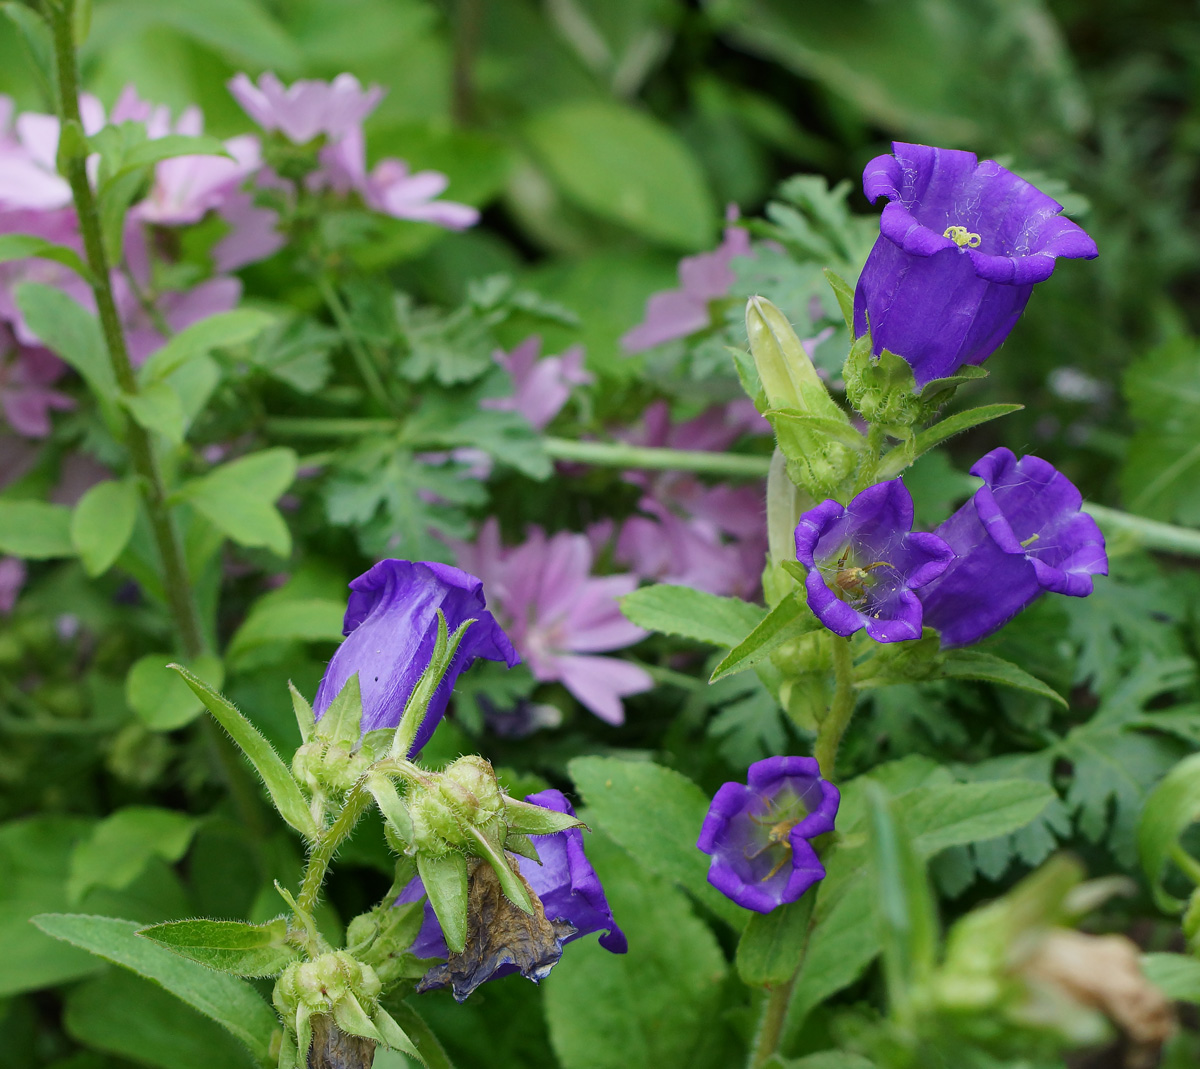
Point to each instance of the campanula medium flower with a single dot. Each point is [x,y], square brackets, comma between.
[864,562]
[390,628]
[960,247]
[560,616]
[1020,535]
[565,881]
[758,832]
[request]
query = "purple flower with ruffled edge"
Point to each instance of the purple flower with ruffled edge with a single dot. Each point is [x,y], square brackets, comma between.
[758,832]
[565,881]
[1020,535]
[961,245]
[864,563]
[391,628]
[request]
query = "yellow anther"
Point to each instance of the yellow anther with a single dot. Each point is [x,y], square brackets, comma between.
[961,237]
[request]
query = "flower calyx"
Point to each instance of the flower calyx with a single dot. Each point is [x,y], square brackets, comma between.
[332,757]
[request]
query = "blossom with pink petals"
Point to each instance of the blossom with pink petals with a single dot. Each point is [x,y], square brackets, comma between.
[307,108]
[26,399]
[558,615]
[707,277]
[540,386]
[12,578]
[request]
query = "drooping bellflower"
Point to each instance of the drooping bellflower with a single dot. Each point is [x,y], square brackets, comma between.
[864,562]
[961,245]
[1021,534]
[758,832]
[569,888]
[391,628]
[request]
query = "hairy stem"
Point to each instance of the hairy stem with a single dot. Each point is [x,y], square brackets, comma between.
[833,727]
[356,803]
[366,364]
[770,1025]
[176,582]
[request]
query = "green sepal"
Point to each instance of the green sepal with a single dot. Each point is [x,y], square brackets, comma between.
[391,806]
[305,719]
[790,619]
[510,883]
[417,706]
[289,1056]
[283,789]
[516,843]
[394,1036]
[352,1019]
[228,946]
[787,374]
[445,880]
[844,293]
[343,719]
[528,819]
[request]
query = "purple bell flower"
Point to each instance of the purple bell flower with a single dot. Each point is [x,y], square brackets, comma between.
[1022,533]
[391,628]
[565,881]
[960,247]
[864,563]
[758,832]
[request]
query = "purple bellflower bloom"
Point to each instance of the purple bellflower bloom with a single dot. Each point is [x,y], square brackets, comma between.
[565,881]
[960,247]
[390,628]
[864,563]
[1021,534]
[758,832]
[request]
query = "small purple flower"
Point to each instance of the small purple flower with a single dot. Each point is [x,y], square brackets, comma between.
[540,386]
[1021,534]
[961,246]
[564,880]
[758,832]
[703,278]
[307,108]
[864,563]
[12,578]
[26,376]
[390,628]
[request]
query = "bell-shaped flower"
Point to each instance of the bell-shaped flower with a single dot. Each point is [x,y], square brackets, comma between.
[391,629]
[864,562]
[1021,534]
[960,247]
[758,833]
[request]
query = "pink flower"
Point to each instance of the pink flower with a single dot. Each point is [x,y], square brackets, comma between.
[26,375]
[703,278]
[540,387]
[29,177]
[12,578]
[559,615]
[307,108]
[178,310]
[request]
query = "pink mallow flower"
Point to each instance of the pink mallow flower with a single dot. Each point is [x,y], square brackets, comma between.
[12,578]
[306,109]
[677,313]
[26,399]
[558,615]
[540,386]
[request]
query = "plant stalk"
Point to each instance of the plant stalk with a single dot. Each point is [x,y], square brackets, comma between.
[354,806]
[841,709]
[366,364]
[176,583]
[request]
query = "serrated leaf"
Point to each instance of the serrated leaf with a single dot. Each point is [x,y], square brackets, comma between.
[695,614]
[285,794]
[228,946]
[230,1002]
[790,619]
[35,530]
[975,664]
[102,523]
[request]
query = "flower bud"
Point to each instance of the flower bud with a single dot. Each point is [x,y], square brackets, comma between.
[464,796]
[319,986]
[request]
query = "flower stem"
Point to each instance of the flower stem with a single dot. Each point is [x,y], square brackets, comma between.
[870,463]
[366,365]
[833,727]
[621,455]
[355,804]
[770,1025]
[141,451]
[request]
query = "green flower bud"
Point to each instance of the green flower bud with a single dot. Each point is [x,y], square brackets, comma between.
[328,766]
[321,985]
[464,796]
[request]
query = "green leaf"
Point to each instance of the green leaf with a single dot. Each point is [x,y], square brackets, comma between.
[975,664]
[825,1059]
[69,331]
[655,815]
[429,1048]
[123,844]
[230,1002]
[1176,974]
[238,498]
[510,883]
[220,331]
[773,943]
[445,880]
[1172,807]
[156,149]
[680,610]
[158,408]
[792,427]
[844,292]
[285,794]
[790,619]
[102,523]
[627,167]
[293,620]
[135,1019]
[22,246]
[228,946]
[35,530]
[899,459]
[161,700]
[960,813]
[38,43]
[658,1004]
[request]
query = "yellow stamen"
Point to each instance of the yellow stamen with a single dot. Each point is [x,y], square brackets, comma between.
[961,237]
